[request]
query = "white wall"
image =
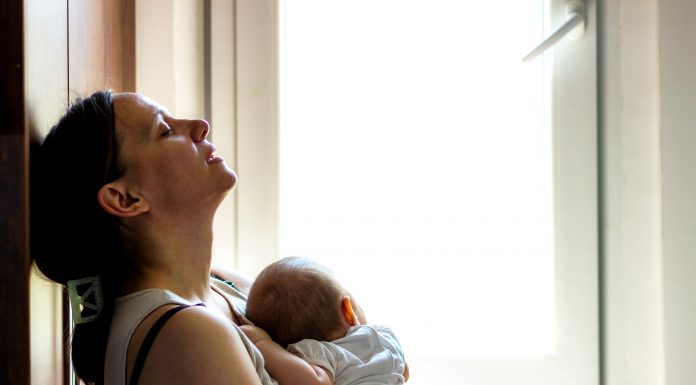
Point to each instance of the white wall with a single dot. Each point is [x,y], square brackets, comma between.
[223,121]
[257,128]
[169,54]
[678,140]
[630,193]
[647,120]
[46,92]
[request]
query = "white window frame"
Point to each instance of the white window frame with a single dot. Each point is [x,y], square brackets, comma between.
[250,65]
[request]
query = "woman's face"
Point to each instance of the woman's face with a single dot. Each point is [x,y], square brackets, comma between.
[168,161]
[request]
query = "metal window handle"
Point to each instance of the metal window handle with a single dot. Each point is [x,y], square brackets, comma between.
[573,27]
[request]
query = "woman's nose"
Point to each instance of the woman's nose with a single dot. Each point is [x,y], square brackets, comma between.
[200,130]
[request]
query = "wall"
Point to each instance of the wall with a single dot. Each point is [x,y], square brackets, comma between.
[257,128]
[169,54]
[630,193]
[46,88]
[678,143]
[647,94]
[223,120]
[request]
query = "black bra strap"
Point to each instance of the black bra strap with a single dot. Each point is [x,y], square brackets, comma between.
[150,339]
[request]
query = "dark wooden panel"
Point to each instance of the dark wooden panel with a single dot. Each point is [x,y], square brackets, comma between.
[11,62]
[14,274]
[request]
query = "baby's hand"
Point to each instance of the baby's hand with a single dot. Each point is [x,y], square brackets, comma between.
[255,334]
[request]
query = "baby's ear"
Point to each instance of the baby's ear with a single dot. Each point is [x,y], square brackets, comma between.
[116,200]
[347,311]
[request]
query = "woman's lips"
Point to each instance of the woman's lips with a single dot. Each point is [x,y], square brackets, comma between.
[212,158]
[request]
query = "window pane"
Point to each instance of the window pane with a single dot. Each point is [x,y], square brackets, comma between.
[415,161]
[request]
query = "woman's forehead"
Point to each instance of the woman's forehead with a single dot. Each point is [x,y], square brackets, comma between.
[136,104]
[135,112]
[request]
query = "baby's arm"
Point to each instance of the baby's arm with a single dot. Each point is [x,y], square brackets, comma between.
[284,366]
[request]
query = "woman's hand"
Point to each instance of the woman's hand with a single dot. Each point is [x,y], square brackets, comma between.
[241,282]
[255,334]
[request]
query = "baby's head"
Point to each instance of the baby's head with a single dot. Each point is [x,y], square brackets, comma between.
[295,299]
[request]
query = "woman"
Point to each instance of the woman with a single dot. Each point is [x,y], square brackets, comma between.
[123,200]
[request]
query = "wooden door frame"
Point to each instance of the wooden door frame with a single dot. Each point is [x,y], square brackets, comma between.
[119,17]
[14,256]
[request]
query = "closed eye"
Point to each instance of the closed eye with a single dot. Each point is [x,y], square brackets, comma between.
[167,131]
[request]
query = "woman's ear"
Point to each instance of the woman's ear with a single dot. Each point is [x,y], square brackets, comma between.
[115,199]
[347,311]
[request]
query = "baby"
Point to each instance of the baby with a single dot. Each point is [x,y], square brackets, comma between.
[302,307]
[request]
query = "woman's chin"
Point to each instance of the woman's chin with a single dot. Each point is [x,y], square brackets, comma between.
[227,183]
[231,179]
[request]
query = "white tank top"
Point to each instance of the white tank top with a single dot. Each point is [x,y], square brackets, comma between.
[130,310]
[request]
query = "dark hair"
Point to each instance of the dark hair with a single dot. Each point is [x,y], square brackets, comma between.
[71,237]
[294,299]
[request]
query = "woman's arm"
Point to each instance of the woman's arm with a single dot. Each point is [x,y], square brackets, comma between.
[243,283]
[284,366]
[198,346]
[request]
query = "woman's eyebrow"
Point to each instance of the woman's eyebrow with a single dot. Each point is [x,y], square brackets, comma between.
[160,112]
[164,112]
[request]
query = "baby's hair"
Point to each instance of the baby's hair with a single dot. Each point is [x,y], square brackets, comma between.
[295,299]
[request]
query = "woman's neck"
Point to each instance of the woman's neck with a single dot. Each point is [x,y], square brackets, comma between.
[175,255]
[191,285]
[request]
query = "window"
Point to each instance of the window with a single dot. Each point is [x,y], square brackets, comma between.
[410,139]
[398,169]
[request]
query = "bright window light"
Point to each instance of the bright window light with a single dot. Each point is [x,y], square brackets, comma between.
[416,162]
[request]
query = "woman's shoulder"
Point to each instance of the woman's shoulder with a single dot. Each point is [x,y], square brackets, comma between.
[198,326]
[129,313]
[197,345]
